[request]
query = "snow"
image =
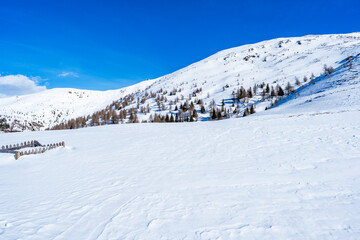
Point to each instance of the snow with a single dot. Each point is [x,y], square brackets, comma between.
[291,172]
[338,92]
[53,106]
[276,61]
[259,177]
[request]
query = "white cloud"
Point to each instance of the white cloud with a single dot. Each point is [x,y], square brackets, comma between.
[68,74]
[15,85]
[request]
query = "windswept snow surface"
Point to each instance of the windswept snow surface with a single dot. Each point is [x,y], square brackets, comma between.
[259,177]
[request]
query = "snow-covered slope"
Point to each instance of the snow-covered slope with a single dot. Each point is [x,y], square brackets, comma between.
[327,94]
[259,177]
[44,109]
[273,62]
[291,172]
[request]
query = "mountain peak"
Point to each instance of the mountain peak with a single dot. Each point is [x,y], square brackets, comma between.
[214,80]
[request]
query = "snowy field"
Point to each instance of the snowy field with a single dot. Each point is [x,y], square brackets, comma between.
[292,172]
[267,176]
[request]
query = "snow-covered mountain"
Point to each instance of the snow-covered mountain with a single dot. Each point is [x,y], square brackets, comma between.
[291,172]
[327,94]
[288,173]
[218,77]
[40,110]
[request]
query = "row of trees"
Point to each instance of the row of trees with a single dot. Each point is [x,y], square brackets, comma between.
[189,116]
[119,111]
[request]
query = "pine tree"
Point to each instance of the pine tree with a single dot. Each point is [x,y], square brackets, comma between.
[267,88]
[157,118]
[246,112]
[249,93]
[328,70]
[288,88]
[252,110]
[4,126]
[272,93]
[114,118]
[131,118]
[312,77]
[213,114]
[195,114]
[219,117]
[280,92]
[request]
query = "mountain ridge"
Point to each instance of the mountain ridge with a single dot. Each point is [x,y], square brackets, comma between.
[213,79]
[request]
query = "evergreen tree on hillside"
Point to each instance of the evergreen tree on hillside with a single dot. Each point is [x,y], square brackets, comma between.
[252,110]
[4,125]
[114,118]
[249,93]
[289,88]
[312,77]
[272,93]
[267,88]
[246,112]
[195,114]
[213,114]
[219,117]
[280,92]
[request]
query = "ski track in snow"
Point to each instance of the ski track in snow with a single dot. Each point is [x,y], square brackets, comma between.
[268,177]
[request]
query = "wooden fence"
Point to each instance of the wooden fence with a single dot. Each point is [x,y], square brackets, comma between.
[39,148]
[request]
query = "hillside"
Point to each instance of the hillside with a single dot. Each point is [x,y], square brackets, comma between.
[327,94]
[214,80]
[290,172]
[266,176]
[44,109]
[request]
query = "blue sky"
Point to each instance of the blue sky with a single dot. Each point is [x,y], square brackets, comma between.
[111,44]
